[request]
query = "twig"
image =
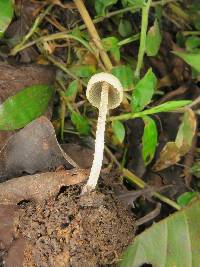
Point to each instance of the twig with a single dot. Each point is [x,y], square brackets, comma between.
[186,33]
[150,216]
[93,32]
[132,9]
[195,102]
[23,45]
[32,30]
[129,39]
[63,68]
[51,37]
[139,182]
[179,91]
[145,16]
[136,180]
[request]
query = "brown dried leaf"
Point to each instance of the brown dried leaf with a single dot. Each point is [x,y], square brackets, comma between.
[33,149]
[186,132]
[39,187]
[168,156]
[173,151]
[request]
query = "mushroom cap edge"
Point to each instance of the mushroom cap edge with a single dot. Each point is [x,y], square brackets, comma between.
[93,91]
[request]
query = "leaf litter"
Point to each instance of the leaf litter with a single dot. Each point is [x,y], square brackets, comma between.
[132,150]
[32,150]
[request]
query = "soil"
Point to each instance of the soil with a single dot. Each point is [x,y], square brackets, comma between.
[75,230]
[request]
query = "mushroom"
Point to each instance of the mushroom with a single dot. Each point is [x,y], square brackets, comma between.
[104,91]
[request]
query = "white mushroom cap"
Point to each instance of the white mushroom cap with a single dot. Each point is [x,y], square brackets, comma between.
[115,94]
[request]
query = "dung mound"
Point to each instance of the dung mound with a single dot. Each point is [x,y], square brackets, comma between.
[74,230]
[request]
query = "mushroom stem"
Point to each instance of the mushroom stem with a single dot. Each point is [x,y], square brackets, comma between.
[99,142]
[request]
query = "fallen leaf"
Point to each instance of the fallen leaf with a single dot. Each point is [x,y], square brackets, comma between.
[186,132]
[33,149]
[39,187]
[173,151]
[168,156]
[82,155]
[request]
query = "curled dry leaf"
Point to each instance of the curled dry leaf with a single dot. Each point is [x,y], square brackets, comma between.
[39,187]
[173,151]
[33,149]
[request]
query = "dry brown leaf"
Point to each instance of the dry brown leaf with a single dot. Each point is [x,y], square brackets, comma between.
[31,150]
[186,132]
[168,156]
[173,151]
[39,187]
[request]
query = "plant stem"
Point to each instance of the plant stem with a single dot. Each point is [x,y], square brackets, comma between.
[99,141]
[145,16]
[51,37]
[136,180]
[129,40]
[19,47]
[139,182]
[93,32]
[186,33]
[153,110]
[64,69]
[133,9]
[32,30]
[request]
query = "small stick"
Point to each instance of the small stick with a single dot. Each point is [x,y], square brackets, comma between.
[93,32]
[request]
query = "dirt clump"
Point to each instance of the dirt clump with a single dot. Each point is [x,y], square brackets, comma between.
[75,230]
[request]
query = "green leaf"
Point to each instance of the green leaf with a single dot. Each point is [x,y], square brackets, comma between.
[72,89]
[6,14]
[192,44]
[169,243]
[83,71]
[111,44]
[136,3]
[101,6]
[119,130]
[149,140]
[125,74]
[125,28]
[170,106]
[81,123]
[195,169]
[191,59]
[24,107]
[153,40]
[186,198]
[143,91]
